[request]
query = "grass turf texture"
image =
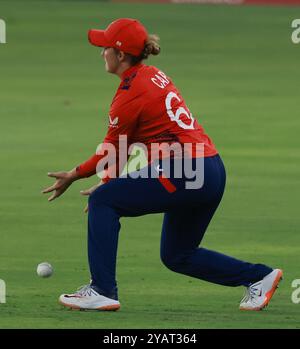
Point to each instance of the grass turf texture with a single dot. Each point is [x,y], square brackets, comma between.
[239,73]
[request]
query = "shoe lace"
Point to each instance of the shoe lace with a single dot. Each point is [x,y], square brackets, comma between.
[252,291]
[85,290]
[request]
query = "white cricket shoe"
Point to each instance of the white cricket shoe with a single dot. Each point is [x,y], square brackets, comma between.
[86,298]
[259,294]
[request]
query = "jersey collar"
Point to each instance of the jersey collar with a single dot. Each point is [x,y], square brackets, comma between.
[128,72]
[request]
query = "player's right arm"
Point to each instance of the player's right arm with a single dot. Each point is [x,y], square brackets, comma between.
[123,117]
[127,112]
[62,183]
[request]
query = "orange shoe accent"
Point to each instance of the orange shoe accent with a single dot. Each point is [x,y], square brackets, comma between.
[273,289]
[113,307]
[269,294]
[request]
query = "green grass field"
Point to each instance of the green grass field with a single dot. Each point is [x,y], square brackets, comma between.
[239,74]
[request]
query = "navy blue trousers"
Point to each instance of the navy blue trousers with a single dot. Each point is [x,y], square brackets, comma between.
[187,213]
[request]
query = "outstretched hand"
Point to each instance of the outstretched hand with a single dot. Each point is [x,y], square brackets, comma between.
[88,192]
[63,181]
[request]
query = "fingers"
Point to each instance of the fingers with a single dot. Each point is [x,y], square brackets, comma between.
[85,192]
[56,174]
[49,189]
[90,190]
[60,186]
[54,195]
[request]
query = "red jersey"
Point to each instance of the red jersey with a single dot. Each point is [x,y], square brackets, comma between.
[148,108]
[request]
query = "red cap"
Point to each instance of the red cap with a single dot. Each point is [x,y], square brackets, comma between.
[126,34]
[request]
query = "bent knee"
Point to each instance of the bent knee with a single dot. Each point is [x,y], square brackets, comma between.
[174,262]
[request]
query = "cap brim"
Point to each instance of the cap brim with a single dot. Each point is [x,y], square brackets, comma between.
[97,38]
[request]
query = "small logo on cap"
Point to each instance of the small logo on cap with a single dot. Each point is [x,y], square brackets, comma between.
[118,43]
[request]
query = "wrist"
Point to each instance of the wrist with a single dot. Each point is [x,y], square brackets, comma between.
[73,174]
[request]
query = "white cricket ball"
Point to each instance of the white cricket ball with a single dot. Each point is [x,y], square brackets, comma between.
[44,270]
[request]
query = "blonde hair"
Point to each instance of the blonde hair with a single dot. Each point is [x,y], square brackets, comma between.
[151,47]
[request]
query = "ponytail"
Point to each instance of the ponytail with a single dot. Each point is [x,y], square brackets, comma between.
[151,47]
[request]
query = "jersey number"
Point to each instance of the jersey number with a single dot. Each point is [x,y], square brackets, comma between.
[176,117]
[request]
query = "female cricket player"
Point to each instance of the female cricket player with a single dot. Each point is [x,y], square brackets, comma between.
[149,109]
